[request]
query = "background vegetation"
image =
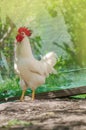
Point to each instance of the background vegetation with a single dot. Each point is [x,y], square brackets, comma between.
[57,25]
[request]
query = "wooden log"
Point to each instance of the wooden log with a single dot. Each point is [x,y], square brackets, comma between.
[62,93]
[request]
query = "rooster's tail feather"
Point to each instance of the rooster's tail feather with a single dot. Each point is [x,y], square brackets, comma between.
[50,58]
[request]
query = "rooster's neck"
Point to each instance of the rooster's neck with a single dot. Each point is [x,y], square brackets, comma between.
[24,49]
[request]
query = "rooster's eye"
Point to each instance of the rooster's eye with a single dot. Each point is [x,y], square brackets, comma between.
[23,33]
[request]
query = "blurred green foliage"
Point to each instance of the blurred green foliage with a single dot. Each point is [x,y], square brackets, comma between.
[29,14]
[74,13]
[6,47]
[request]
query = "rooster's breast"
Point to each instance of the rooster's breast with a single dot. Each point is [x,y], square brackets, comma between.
[32,79]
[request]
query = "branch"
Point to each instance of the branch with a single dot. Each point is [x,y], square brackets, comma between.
[10,29]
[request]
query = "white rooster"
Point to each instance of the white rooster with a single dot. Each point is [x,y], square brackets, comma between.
[31,71]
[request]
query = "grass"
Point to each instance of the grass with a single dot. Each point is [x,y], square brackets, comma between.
[82,96]
[16,122]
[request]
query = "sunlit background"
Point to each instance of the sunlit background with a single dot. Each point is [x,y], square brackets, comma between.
[57,25]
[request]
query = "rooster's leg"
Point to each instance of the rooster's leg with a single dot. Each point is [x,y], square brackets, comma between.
[33,94]
[22,96]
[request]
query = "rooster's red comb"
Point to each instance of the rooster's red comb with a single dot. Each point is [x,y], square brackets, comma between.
[25,30]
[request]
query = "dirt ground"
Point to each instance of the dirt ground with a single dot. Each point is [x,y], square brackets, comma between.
[52,114]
